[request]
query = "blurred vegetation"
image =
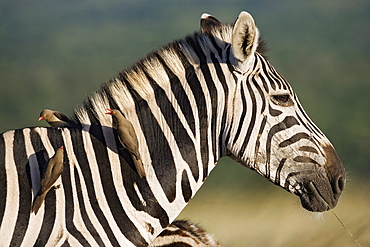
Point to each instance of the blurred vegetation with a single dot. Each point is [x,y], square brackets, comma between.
[53,53]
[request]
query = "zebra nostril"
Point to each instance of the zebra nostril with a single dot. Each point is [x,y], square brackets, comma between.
[341,183]
[338,185]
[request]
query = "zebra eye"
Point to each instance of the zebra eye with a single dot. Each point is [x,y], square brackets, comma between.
[282,99]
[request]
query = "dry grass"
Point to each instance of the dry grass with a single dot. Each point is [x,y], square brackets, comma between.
[270,216]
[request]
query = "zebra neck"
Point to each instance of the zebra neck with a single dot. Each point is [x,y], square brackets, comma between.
[178,153]
[181,142]
[177,107]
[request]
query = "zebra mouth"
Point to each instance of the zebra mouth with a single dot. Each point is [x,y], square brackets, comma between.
[317,198]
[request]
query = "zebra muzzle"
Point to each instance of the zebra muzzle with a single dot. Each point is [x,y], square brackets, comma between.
[321,190]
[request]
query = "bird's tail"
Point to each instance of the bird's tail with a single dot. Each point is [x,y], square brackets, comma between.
[139,166]
[37,203]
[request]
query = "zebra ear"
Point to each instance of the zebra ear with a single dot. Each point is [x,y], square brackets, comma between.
[208,23]
[245,37]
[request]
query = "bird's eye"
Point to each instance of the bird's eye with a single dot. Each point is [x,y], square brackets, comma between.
[282,99]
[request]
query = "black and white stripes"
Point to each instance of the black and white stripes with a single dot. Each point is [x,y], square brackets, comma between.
[191,102]
[185,234]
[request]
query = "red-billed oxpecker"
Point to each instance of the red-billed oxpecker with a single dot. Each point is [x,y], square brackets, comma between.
[127,137]
[56,119]
[52,172]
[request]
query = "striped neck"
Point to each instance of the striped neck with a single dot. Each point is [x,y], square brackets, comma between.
[176,101]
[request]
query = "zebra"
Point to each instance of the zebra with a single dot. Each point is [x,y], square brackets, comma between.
[184,233]
[209,95]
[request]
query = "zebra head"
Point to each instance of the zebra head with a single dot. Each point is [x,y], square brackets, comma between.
[268,130]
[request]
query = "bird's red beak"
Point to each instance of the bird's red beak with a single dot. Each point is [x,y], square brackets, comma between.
[109,111]
[40,118]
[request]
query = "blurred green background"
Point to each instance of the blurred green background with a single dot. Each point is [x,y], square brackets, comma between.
[53,53]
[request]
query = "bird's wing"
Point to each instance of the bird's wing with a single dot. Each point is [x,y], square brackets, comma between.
[128,141]
[61,116]
[54,169]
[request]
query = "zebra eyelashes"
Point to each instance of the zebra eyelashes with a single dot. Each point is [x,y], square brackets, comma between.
[282,100]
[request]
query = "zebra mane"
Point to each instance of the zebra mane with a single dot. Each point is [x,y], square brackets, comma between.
[135,82]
